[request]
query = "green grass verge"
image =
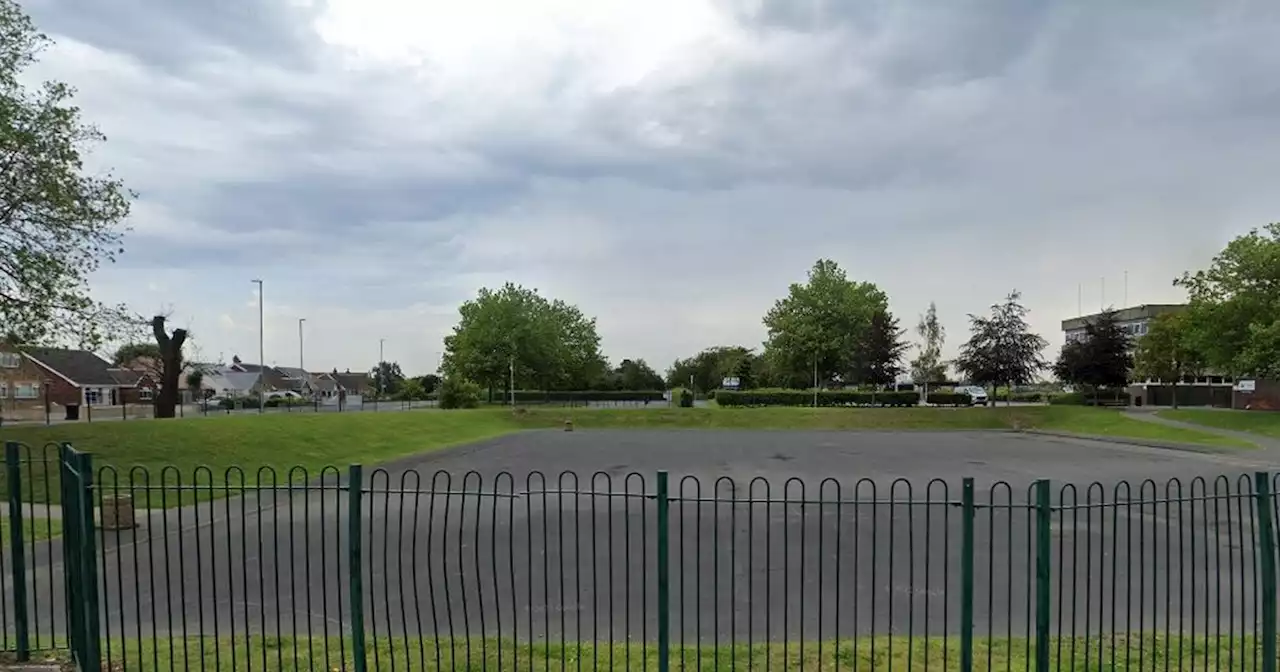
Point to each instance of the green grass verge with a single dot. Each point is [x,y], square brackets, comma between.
[1145,652]
[1113,423]
[1255,422]
[314,441]
[37,529]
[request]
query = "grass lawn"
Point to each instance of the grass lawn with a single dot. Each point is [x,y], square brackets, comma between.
[1257,422]
[314,441]
[865,653]
[44,528]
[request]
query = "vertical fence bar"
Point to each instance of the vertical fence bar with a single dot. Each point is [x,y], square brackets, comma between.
[664,577]
[13,463]
[1042,575]
[89,567]
[1267,553]
[355,484]
[966,576]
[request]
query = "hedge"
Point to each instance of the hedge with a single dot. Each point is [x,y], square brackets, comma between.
[825,398]
[1087,398]
[558,396]
[950,399]
[1025,397]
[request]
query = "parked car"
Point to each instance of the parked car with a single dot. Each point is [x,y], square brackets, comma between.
[977,395]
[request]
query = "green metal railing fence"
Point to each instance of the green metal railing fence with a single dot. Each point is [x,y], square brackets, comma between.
[500,571]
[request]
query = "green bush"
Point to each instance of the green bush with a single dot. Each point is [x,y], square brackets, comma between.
[1024,397]
[950,399]
[455,393]
[682,397]
[1103,397]
[825,398]
[227,404]
[561,396]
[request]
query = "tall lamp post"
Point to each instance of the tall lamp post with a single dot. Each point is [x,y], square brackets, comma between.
[261,350]
[301,360]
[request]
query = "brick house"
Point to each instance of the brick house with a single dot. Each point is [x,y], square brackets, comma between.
[34,377]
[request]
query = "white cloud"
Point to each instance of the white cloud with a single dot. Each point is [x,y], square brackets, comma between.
[670,166]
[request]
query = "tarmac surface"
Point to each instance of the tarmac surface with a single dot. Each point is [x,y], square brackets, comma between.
[773,535]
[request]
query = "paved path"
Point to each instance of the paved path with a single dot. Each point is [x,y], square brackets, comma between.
[1269,447]
[516,549]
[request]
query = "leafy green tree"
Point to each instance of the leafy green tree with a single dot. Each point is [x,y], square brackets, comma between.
[710,367]
[1163,353]
[58,223]
[819,326]
[410,390]
[1001,349]
[132,352]
[1233,319]
[1100,359]
[430,382]
[879,355]
[636,375]
[459,393]
[928,366]
[546,344]
[387,378]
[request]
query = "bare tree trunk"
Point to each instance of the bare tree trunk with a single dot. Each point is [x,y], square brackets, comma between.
[170,367]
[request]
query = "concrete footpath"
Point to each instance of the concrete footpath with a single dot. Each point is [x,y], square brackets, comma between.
[1268,448]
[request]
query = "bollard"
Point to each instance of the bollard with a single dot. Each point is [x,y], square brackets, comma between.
[568,425]
[117,513]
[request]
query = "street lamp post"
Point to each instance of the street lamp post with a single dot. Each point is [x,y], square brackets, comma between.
[301,360]
[261,349]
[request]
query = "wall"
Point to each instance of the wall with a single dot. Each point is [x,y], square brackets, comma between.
[1265,397]
[58,391]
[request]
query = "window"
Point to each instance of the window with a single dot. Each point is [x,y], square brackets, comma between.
[92,396]
[10,360]
[26,390]
[145,394]
[4,389]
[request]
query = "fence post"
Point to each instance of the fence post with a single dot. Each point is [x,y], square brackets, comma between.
[1042,575]
[88,558]
[966,576]
[355,483]
[664,575]
[13,463]
[1267,550]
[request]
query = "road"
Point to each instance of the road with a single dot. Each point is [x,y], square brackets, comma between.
[532,561]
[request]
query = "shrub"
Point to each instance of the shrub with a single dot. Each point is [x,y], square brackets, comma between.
[1025,397]
[1103,397]
[570,396]
[227,404]
[455,393]
[682,397]
[825,398]
[950,399]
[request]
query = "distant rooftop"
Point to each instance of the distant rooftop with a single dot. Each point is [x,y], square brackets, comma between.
[1145,311]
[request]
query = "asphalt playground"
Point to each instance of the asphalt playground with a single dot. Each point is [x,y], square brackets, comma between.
[773,535]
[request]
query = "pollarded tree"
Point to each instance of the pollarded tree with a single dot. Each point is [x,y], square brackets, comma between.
[57,222]
[1100,359]
[819,326]
[1001,348]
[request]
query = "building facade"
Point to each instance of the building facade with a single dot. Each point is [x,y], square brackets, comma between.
[1136,320]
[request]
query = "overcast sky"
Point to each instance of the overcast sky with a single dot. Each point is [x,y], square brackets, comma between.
[668,165]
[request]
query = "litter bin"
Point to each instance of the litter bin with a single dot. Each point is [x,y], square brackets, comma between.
[73,412]
[1137,401]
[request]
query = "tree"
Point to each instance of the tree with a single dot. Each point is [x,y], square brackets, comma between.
[429,382]
[170,347]
[387,378]
[709,368]
[1233,317]
[879,358]
[1001,348]
[820,325]
[1100,359]
[1163,354]
[411,390]
[515,332]
[195,379]
[136,353]
[57,222]
[928,366]
[636,375]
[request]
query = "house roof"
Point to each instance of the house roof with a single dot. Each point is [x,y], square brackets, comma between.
[81,367]
[323,382]
[230,380]
[126,377]
[355,382]
[293,372]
